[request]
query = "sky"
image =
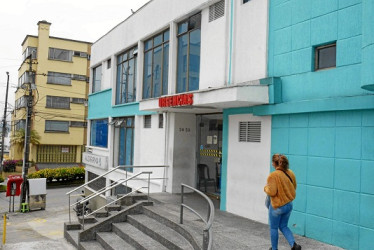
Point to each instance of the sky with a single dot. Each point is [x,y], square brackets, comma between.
[84,20]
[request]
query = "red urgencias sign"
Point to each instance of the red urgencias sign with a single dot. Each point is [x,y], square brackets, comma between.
[177,100]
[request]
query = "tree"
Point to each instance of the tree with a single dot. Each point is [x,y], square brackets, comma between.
[19,138]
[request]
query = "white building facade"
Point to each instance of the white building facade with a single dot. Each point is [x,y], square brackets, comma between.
[174,85]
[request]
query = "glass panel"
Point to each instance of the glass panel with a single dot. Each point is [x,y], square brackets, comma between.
[124,82]
[157,64]
[165,70]
[147,44]
[147,78]
[118,84]
[96,82]
[121,155]
[157,40]
[99,133]
[182,63]
[59,78]
[194,61]
[130,87]
[129,146]
[327,57]
[182,27]
[194,22]
[166,35]
[124,56]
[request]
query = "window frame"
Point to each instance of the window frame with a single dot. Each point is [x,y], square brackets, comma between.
[101,144]
[152,48]
[123,127]
[51,102]
[187,32]
[125,58]
[67,123]
[317,49]
[52,51]
[57,75]
[96,84]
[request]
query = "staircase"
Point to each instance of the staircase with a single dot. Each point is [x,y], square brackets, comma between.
[134,223]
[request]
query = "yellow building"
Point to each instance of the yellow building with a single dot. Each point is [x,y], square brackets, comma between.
[61,71]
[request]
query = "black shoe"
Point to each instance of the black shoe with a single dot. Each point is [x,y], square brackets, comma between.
[296,246]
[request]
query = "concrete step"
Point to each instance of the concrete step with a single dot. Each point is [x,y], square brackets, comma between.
[113,208]
[90,245]
[135,237]
[72,236]
[191,230]
[87,220]
[160,232]
[112,241]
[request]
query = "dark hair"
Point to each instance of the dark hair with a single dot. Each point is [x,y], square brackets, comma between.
[281,161]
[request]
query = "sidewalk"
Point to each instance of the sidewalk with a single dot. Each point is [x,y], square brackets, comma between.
[43,229]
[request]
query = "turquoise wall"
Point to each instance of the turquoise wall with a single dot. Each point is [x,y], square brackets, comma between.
[296,27]
[332,155]
[100,106]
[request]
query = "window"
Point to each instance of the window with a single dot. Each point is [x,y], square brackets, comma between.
[21,102]
[79,77]
[20,124]
[188,59]
[147,121]
[60,54]
[59,78]
[56,126]
[126,76]
[156,65]
[124,131]
[109,63]
[58,102]
[80,54]
[25,78]
[160,121]
[246,1]
[78,124]
[28,51]
[99,133]
[96,80]
[250,131]
[216,10]
[325,56]
[78,100]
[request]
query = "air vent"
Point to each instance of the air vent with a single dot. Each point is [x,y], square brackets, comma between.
[250,131]
[147,121]
[216,10]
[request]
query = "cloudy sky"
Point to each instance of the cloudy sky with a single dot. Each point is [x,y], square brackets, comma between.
[85,20]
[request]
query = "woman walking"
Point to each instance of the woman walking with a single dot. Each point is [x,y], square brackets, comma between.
[281,187]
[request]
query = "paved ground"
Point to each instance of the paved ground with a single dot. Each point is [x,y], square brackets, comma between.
[43,229]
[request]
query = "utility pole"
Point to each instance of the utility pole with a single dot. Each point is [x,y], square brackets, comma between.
[25,164]
[4,125]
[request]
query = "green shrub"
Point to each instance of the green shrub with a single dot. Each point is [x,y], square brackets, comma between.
[59,174]
[1,179]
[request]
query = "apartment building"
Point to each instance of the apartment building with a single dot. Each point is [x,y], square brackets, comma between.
[228,83]
[60,87]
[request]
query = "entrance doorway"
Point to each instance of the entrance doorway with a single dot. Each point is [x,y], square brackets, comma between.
[209,155]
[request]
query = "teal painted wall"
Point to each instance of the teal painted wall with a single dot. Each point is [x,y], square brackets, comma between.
[100,106]
[332,155]
[297,27]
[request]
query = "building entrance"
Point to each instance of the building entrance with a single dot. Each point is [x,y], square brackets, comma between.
[209,153]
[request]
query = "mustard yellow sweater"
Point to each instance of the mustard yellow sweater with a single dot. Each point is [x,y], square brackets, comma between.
[280,188]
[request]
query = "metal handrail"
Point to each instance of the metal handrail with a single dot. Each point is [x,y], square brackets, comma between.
[83,201]
[207,232]
[85,184]
[106,173]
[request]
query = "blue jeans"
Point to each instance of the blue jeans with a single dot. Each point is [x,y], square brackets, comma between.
[278,218]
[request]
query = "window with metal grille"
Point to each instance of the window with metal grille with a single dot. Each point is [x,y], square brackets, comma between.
[20,124]
[25,78]
[78,124]
[21,102]
[250,131]
[325,56]
[97,184]
[58,102]
[77,100]
[160,121]
[80,54]
[59,78]
[56,126]
[79,77]
[60,54]
[216,10]
[147,121]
